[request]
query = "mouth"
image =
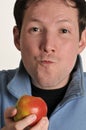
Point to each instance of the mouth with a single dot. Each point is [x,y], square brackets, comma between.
[46,62]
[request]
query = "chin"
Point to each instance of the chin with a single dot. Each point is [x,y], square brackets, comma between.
[46,84]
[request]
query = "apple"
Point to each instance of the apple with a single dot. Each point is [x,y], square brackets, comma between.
[27,105]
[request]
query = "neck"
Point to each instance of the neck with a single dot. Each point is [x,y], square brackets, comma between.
[58,85]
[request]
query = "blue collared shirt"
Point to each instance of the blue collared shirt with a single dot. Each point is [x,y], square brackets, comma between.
[70,114]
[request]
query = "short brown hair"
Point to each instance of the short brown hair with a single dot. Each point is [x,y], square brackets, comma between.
[21,6]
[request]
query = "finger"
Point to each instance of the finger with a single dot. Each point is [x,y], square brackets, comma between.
[9,113]
[22,124]
[41,125]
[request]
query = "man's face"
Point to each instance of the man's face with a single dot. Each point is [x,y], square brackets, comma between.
[49,43]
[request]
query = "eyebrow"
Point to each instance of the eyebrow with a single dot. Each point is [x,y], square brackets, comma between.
[34,20]
[37,20]
[69,21]
[65,20]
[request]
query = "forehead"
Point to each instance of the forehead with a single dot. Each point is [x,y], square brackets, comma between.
[36,2]
[51,9]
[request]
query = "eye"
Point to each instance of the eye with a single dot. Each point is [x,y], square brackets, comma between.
[64,30]
[35,29]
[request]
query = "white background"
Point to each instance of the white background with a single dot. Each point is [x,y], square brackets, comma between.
[9,55]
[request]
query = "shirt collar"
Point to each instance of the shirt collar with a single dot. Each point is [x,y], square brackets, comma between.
[20,84]
[76,86]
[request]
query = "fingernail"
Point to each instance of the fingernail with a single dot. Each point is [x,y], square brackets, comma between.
[33,117]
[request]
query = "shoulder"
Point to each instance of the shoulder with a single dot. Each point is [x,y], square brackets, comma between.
[85,74]
[8,73]
[6,76]
[85,78]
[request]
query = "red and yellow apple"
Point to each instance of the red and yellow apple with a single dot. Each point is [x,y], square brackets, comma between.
[27,105]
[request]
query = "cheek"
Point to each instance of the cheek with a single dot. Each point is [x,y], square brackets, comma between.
[31,44]
[69,55]
[71,48]
[28,53]
[28,48]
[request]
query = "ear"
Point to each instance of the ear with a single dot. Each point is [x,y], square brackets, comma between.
[16,35]
[82,43]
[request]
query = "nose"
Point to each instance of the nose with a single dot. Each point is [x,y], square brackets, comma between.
[48,43]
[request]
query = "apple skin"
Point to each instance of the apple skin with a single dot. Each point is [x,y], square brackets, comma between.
[27,105]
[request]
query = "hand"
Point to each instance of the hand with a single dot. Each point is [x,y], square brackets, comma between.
[23,124]
[41,125]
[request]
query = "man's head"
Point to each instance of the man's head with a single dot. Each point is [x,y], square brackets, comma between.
[47,34]
[22,5]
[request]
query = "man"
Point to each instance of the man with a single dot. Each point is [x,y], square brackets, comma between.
[50,34]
